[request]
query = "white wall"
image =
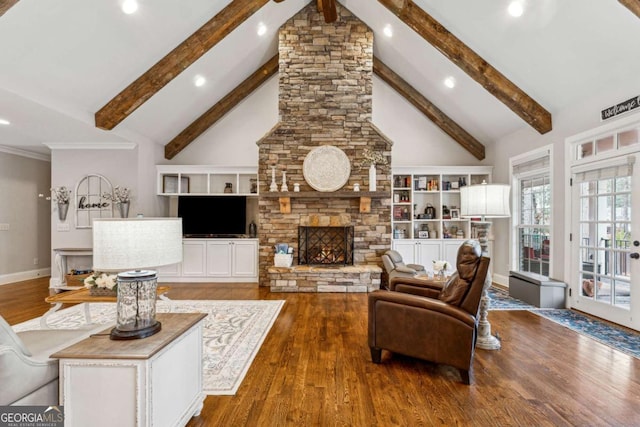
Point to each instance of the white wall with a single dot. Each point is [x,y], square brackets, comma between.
[131,168]
[568,122]
[232,141]
[21,180]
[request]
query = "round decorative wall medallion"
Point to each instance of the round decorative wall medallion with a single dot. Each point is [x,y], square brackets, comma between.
[326,168]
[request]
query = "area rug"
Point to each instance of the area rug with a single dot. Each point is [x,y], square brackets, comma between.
[500,300]
[232,335]
[623,340]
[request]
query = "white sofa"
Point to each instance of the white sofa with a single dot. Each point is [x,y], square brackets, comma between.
[27,375]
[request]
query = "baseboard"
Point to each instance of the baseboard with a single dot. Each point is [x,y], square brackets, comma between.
[501,281]
[24,275]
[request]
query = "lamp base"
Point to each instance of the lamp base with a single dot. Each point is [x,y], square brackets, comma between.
[117,334]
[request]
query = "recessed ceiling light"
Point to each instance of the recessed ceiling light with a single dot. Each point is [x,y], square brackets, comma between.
[450,82]
[516,8]
[199,80]
[262,29]
[388,31]
[129,6]
[4,122]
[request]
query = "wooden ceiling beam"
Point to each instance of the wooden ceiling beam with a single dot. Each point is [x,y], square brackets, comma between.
[169,67]
[632,5]
[328,9]
[440,119]
[471,63]
[215,113]
[5,5]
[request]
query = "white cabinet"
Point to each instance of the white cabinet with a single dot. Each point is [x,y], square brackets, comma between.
[244,262]
[198,180]
[422,252]
[215,260]
[194,262]
[219,256]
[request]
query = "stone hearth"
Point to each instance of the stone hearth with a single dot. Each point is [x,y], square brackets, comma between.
[325,93]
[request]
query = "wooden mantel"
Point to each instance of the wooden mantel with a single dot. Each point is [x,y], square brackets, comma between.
[365,197]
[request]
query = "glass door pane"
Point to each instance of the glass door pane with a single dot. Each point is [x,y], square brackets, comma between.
[603,221]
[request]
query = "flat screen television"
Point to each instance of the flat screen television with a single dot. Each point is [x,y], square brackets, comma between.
[212,216]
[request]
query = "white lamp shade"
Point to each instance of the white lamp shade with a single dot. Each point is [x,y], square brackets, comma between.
[485,201]
[136,244]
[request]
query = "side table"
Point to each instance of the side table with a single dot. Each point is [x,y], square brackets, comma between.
[154,381]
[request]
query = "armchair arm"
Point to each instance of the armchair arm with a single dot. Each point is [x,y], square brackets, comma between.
[416,267]
[21,375]
[405,269]
[416,285]
[417,301]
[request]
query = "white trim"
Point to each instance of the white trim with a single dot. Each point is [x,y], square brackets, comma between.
[619,160]
[605,129]
[547,150]
[25,153]
[531,155]
[24,275]
[91,145]
[501,280]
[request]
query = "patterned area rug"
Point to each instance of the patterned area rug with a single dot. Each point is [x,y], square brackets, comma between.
[621,339]
[500,300]
[232,335]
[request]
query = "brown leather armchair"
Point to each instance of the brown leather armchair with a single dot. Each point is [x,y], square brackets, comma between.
[395,266]
[441,328]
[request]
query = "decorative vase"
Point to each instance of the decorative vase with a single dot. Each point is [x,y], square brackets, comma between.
[372,178]
[123,207]
[440,275]
[63,208]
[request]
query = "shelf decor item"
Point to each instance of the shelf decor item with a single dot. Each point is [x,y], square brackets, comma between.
[121,196]
[371,159]
[62,196]
[131,247]
[274,186]
[101,284]
[485,201]
[326,168]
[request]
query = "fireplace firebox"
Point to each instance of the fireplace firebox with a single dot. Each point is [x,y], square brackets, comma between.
[325,245]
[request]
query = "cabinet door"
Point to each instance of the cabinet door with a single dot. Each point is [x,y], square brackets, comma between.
[406,248]
[450,249]
[194,258]
[427,252]
[219,258]
[245,258]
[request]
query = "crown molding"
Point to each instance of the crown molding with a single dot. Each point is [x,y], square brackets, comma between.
[25,153]
[91,145]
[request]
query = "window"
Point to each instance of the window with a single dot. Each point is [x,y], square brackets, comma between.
[532,212]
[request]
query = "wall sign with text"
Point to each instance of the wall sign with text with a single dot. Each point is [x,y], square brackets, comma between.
[623,107]
[90,202]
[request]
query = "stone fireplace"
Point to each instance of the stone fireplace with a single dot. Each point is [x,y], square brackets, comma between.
[325,93]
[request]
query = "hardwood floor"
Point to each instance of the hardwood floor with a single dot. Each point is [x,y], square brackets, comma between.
[314,369]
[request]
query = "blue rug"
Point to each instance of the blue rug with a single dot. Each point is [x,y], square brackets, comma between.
[500,300]
[624,340]
[621,339]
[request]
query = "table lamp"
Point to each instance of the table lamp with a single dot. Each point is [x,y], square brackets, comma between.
[485,201]
[131,247]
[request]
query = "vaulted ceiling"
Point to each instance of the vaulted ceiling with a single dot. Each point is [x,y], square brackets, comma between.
[70,65]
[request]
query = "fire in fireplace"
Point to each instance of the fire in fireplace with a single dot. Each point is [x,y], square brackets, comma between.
[325,245]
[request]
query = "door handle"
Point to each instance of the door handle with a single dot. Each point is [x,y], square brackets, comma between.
[635,255]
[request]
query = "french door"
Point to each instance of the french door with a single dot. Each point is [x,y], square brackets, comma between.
[606,240]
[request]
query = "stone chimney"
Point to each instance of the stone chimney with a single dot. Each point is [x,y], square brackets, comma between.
[325,98]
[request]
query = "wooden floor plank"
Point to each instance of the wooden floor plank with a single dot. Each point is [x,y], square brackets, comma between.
[314,368]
